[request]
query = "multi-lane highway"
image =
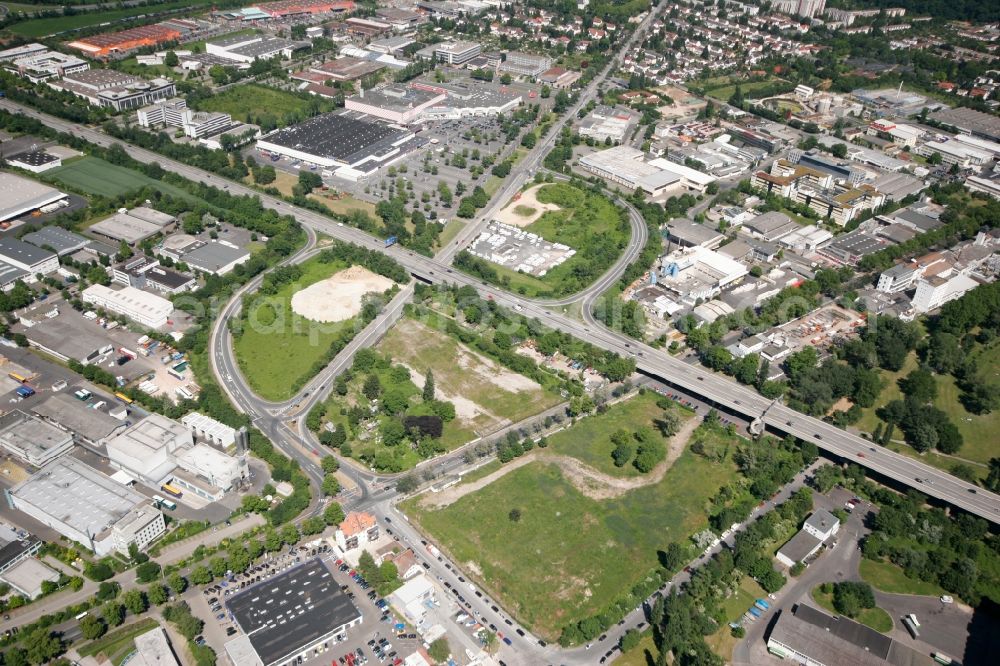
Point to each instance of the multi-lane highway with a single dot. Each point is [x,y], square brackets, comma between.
[719,389]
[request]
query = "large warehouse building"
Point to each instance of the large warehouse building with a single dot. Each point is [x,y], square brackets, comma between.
[85,506]
[336,141]
[289,618]
[19,196]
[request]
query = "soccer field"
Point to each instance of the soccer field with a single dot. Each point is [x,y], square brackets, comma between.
[95,176]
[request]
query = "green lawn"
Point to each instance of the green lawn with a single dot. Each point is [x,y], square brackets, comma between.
[44,27]
[876,618]
[726,91]
[95,176]
[592,444]
[279,353]
[449,232]
[118,643]
[887,577]
[569,556]
[589,223]
[459,372]
[245,103]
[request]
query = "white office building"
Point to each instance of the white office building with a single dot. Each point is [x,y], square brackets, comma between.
[935,291]
[140,306]
[140,526]
[28,257]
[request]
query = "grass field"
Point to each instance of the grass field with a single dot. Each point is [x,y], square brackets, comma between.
[569,555]
[462,374]
[726,91]
[451,230]
[593,444]
[44,27]
[284,348]
[119,643]
[887,577]
[246,102]
[643,654]
[876,618]
[345,205]
[95,176]
[978,431]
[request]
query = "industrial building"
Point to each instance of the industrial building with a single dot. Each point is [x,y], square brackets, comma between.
[25,256]
[289,617]
[15,547]
[145,450]
[346,68]
[697,273]
[62,241]
[806,635]
[64,338]
[969,121]
[114,89]
[336,141]
[411,600]
[283,8]
[158,450]
[139,306]
[77,501]
[400,104]
[36,161]
[249,48]
[33,440]
[115,43]
[217,257]
[207,428]
[525,64]
[627,166]
[141,272]
[132,226]
[26,577]
[91,427]
[606,123]
[770,226]
[19,195]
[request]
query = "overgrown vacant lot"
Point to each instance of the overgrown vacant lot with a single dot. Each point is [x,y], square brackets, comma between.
[486,395]
[568,556]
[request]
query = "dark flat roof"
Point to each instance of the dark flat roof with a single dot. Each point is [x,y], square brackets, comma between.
[337,137]
[286,613]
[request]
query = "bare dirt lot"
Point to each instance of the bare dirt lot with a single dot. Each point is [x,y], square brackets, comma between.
[524,211]
[338,297]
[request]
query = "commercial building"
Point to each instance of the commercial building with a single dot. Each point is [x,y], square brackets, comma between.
[15,547]
[153,649]
[26,577]
[559,77]
[42,65]
[23,51]
[19,195]
[899,134]
[689,233]
[139,306]
[142,272]
[289,617]
[806,635]
[36,161]
[124,41]
[249,48]
[283,8]
[401,20]
[114,89]
[469,98]
[936,290]
[412,598]
[770,226]
[969,121]
[77,501]
[452,53]
[336,141]
[31,439]
[400,104]
[140,526]
[358,529]
[956,152]
[819,526]
[62,241]
[174,113]
[390,45]
[64,338]
[23,255]
[605,122]
[525,64]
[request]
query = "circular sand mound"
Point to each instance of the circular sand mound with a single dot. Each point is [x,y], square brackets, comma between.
[338,297]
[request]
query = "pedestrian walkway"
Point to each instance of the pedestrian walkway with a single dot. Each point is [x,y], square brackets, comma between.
[176,552]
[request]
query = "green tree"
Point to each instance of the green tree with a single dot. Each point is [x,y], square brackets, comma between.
[147,572]
[330,464]
[428,392]
[331,486]
[92,627]
[919,385]
[157,594]
[439,650]
[333,514]
[171,60]
[135,602]
[178,583]
[113,613]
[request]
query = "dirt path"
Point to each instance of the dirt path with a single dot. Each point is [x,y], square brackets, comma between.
[592,483]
